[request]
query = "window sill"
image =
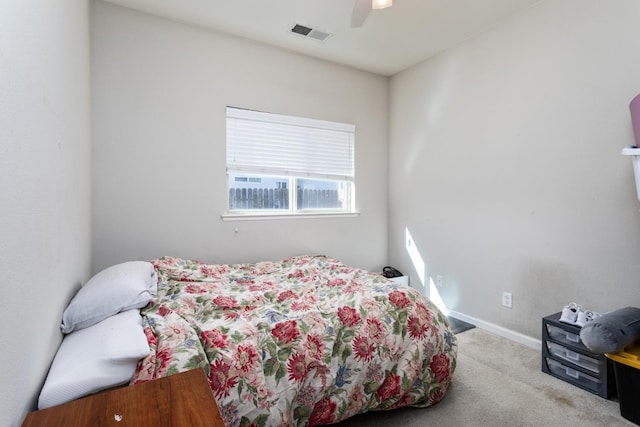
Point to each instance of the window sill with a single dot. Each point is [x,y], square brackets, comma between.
[235,216]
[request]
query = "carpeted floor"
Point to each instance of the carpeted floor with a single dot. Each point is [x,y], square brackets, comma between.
[499,382]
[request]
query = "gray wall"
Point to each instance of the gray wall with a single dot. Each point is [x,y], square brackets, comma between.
[45,250]
[504,164]
[159,91]
[506,167]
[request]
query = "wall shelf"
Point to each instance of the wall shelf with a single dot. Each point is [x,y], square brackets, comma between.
[634,152]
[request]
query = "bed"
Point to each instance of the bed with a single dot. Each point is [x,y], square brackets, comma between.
[303,341]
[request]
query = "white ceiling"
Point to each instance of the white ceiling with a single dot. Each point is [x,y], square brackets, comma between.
[390,40]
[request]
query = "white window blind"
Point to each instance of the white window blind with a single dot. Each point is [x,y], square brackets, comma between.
[265,143]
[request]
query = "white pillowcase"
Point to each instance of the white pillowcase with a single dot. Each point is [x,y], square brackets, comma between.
[118,288]
[95,358]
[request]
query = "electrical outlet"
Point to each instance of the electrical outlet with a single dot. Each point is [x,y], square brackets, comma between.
[439,281]
[507,299]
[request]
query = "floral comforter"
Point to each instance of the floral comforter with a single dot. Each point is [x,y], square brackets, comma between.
[304,341]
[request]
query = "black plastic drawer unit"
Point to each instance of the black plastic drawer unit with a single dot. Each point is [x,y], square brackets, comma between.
[565,357]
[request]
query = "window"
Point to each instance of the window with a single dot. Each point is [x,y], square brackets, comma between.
[288,165]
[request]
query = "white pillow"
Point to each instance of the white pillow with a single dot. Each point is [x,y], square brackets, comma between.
[95,358]
[118,288]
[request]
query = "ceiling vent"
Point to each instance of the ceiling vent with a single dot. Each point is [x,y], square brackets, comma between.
[313,33]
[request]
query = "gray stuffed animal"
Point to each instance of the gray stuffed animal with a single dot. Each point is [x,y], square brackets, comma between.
[613,331]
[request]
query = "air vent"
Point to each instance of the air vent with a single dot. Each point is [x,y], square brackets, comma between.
[313,33]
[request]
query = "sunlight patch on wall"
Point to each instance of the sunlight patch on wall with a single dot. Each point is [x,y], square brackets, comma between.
[435,297]
[420,268]
[416,258]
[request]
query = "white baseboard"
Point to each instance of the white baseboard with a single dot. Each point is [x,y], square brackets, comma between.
[498,330]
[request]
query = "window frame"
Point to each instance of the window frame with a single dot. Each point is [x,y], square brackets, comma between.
[235,169]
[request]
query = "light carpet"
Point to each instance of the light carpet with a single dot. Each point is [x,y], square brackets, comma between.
[499,382]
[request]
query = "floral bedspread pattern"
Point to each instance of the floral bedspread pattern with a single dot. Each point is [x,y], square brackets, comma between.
[304,341]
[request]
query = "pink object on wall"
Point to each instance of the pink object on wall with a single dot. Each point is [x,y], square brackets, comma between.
[635,118]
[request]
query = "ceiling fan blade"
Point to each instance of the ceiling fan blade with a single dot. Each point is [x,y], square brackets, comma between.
[360,12]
